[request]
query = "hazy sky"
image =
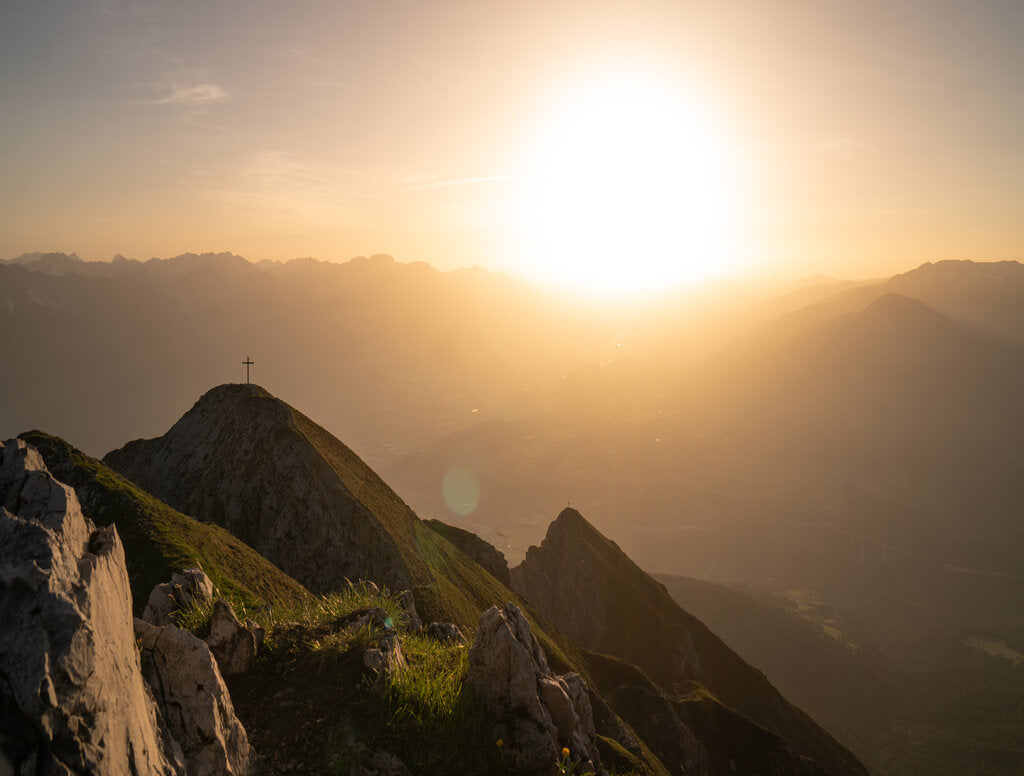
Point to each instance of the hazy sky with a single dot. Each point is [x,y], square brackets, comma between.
[856,138]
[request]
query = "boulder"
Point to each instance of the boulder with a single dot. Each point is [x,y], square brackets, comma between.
[233,643]
[73,696]
[446,632]
[384,657]
[186,588]
[192,695]
[538,712]
[408,604]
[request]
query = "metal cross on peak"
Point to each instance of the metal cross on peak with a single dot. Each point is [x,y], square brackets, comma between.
[248,363]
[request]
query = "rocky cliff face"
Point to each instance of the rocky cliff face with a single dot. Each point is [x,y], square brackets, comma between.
[595,594]
[72,694]
[252,464]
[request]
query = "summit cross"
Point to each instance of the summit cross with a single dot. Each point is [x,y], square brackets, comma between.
[248,363]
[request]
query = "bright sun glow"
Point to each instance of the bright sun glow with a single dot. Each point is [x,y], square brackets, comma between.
[630,189]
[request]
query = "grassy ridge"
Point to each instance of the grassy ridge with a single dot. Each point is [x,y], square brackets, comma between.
[368,488]
[159,540]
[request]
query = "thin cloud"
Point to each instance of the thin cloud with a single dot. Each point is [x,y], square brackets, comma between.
[454,182]
[200,94]
[279,187]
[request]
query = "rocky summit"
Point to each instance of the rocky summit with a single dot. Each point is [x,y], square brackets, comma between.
[593,592]
[249,462]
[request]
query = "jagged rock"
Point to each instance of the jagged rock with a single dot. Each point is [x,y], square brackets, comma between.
[257,630]
[584,735]
[446,632]
[73,697]
[539,712]
[408,604]
[186,587]
[554,694]
[195,702]
[232,643]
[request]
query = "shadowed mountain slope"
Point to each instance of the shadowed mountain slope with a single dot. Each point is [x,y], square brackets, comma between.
[807,651]
[252,464]
[159,540]
[589,588]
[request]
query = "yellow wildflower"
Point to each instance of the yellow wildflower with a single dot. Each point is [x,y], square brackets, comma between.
[499,743]
[565,752]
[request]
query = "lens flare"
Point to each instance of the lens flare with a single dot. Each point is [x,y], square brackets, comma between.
[461,491]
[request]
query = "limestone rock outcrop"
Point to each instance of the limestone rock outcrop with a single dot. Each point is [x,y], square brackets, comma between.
[188,686]
[232,642]
[73,696]
[187,587]
[538,712]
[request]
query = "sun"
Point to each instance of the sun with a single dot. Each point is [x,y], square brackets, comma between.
[629,188]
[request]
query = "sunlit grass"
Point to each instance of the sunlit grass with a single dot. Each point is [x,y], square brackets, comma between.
[316,614]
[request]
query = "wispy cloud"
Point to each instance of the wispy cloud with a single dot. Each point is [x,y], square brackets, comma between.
[453,182]
[199,94]
[280,186]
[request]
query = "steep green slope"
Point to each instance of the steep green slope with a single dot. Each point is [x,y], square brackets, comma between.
[158,539]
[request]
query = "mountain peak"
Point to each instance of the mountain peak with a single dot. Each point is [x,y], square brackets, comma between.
[581,581]
[570,516]
[249,462]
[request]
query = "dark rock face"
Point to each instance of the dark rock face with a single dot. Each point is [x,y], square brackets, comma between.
[596,595]
[484,553]
[73,697]
[250,463]
[538,712]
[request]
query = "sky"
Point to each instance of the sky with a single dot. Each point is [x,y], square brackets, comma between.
[776,137]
